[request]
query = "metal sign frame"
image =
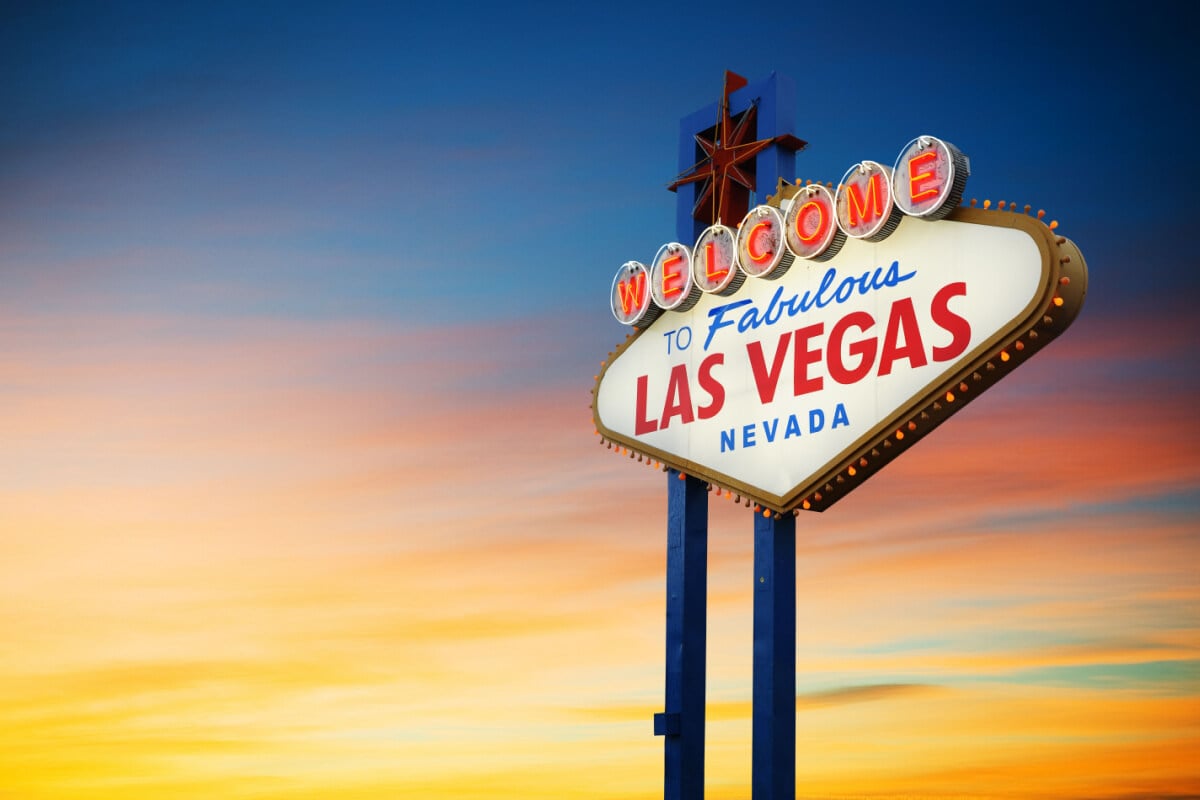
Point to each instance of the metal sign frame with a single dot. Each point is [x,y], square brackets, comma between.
[1063,285]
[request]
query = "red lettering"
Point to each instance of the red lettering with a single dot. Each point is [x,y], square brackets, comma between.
[864,348]
[819,229]
[803,384]
[850,354]
[765,380]
[632,293]
[756,233]
[864,209]
[641,424]
[903,319]
[679,397]
[916,178]
[958,328]
[710,256]
[711,385]
[672,276]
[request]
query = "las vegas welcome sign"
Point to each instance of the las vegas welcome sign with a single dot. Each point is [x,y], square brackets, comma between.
[788,360]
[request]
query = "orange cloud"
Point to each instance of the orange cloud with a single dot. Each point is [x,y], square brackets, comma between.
[258,557]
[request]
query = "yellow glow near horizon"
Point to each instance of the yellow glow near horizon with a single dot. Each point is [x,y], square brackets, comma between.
[235,582]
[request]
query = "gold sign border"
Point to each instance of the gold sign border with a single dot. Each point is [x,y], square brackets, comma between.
[1053,309]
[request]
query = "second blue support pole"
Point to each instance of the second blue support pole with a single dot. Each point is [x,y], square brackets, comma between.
[774,714]
[682,724]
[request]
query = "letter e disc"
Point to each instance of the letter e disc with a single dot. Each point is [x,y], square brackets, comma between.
[930,177]
[671,283]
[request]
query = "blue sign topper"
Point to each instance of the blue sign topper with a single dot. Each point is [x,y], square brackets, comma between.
[728,151]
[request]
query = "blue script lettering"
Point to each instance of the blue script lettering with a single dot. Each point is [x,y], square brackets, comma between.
[719,321]
[829,291]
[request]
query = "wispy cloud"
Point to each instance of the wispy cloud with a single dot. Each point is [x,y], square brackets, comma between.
[346,548]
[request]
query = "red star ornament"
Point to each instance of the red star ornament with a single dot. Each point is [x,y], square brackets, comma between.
[725,195]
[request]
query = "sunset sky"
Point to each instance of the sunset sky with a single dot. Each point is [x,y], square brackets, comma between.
[300,307]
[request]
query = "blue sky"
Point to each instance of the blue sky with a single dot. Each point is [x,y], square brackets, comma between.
[299,310]
[341,156]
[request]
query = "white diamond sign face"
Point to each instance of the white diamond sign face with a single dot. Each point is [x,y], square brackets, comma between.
[798,386]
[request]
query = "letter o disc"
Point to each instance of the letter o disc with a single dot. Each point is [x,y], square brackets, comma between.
[811,224]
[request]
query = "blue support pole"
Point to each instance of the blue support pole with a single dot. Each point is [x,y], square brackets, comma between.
[773,775]
[682,724]
[776,114]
